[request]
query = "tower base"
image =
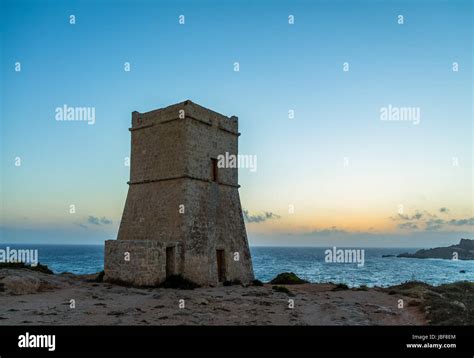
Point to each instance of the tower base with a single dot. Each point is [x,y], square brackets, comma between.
[138,263]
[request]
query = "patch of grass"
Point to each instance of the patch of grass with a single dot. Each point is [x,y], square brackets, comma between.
[282,289]
[413,289]
[460,287]
[287,278]
[451,304]
[362,288]
[257,283]
[448,304]
[22,265]
[340,287]
[179,282]
[41,268]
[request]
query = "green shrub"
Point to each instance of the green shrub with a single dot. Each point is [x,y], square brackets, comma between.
[340,287]
[287,278]
[449,304]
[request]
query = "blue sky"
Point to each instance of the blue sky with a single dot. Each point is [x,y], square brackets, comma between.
[282,67]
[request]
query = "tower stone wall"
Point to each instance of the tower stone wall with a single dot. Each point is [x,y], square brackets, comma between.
[182,215]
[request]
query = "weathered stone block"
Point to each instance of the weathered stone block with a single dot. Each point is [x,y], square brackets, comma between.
[125,262]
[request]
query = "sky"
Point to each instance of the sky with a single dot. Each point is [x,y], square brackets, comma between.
[334,174]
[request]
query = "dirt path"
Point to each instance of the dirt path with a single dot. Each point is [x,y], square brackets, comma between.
[106,304]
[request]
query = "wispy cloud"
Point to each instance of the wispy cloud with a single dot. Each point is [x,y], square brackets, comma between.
[408,225]
[430,222]
[462,222]
[259,218]
[328,231]
[435,224]
[416,216]
[94,221]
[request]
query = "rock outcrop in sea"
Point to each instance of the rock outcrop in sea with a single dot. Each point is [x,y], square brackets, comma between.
[464,251]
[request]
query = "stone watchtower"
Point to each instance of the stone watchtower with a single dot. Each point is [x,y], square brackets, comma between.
[182,214]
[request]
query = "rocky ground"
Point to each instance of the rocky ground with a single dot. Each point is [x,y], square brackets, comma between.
[36,298]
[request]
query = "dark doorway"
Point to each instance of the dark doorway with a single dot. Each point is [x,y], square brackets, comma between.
[214,176]
[170,261]
[220,265]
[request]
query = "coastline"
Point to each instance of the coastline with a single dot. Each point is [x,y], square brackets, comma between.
[309,263]
[35,298]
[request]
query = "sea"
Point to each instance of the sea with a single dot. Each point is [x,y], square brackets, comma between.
[307,262]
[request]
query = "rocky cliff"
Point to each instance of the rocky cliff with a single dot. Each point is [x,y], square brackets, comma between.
[464,250]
